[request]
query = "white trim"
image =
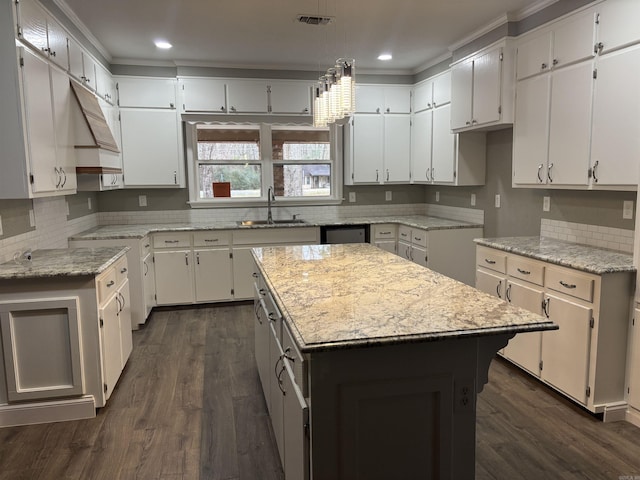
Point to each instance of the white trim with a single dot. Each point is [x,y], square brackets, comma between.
[47,412]
[633,416]
[531,9]
[430,63]
[614,412]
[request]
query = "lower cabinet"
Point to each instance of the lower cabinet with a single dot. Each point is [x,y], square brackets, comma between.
[384,236]
[174,277]
[585,358]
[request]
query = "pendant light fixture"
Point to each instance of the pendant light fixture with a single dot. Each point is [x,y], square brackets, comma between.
[335,94]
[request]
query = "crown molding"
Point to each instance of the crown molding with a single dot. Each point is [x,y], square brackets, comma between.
[71,15]
[434,61]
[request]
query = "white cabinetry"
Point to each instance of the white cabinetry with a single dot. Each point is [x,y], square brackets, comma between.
[152,153]
[203,94]
[379,136]
[482,89]
[39,29]
[248,96]
[81,65]
[173,268]
[289,97]
[385,236]
[617,24]
[412,245]
[213,272]
[585,359]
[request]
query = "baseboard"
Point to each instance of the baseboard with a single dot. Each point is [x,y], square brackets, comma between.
[633,416]
[615,412]
[46,412]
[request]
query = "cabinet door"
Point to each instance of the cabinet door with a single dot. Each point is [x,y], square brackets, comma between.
[423,96]
[531,131]
[421,134]
[32,21]
[461,94]
[525,348]
[89,67]
[491,283]
[146,92]
[368,145]
[534,56]
[444,144]
[57,39]
[570,124]
[404,250]
[63,111]
[76,68]
[111,345]
[397,148]
[124,321]
[369,98]
[615,143]
[213,275]
[573,40]
[150,147]
[442,89]
[419,255]
[243,269]
[565,352]
[296,422]
[41,347]
[277,372]
[148,271]
[247,96]
[262,335]
[174,277]
[39,122]
[618,23]
[487,85]
[634,362]
[203,95]
[387,245]
[397,99]
[290,97]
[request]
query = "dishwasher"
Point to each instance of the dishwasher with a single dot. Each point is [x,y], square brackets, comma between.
[344,234]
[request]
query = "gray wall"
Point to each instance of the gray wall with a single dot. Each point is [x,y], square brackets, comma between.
[15,217]
[79,204]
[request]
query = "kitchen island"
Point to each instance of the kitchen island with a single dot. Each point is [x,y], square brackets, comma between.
[371,364]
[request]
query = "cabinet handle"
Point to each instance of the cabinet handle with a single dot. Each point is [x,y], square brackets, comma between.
[524,272]
[146,269]
[474,121]
[123,270]
[52,52]
[257,310]
[280,379]
[175,178]
[147,245]
[426,174]
[388,110]
[417,239]
[378,110]
[377,175]
[198,258]
[595,171]
[58,176]
[124,301]
[543,66]
[222,109]
[233,109]
[539,169]
[211,240]
[549,173]
[262,292]
[64,177]
[111,284]
[119,306]
[411,253]
[598,47]
[387,174]
[254,275]
[555,62]
[545,306]
[468,122]
[508,293]
[567,285]
[271,317]
[490,262]
[171,105]
[305,109]
[172,241]
[498,288]
[385,233]
[186,259]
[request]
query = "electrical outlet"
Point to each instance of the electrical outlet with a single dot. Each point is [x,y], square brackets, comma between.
[437,196]
[497,200]
[546,204]
[627,209]
[388,195]
[0,226]
[89,203]
[473,199]
[352,197]
[142,200]
[32,218]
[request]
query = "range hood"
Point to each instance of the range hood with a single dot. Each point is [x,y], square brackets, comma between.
[96,147]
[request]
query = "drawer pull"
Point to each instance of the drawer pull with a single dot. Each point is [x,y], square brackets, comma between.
[417,239]
[263,292]
[111,284]
[524,272]
[172,241]
[567,285]
[124,270]
[271,316]
[254,275]
[385,233]
[490,262]
[211,240]
[147,245]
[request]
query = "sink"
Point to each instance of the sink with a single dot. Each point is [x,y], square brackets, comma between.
[248,223]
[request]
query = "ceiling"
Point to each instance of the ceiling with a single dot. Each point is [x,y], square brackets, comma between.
[265,33]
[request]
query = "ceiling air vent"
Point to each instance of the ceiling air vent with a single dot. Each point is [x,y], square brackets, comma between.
[314,19]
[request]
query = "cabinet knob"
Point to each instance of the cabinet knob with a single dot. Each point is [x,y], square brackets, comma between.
[555,61]
[377,110]
[233,109]
[468,122]
[543,66]
[388,110]
[222,108]
[171,105]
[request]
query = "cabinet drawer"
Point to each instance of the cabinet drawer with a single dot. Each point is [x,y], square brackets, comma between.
[172,240]
[296,359]
[384,232]
[525,269]
[145,246]
[419,237]
[121,270]
[277,236]
[493,259]
[211,238]
[570,282]
[404,234]
[106,284]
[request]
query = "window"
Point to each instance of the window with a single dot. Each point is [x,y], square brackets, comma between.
[235,164]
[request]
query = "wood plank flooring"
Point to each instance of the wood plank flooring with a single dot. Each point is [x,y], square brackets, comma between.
[189,406]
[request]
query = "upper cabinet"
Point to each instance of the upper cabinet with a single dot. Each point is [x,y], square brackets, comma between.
[618,24]
[290,97]
[383,99]
[248,96]
[146,92]
[482,89]
[431,93]
[200,95]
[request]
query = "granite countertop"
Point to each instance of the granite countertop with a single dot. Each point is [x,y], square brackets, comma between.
[65,262]
[108,232]
[581,257]
[342,296]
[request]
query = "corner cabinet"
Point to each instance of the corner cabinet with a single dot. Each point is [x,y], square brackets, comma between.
[585,359]
[482,89]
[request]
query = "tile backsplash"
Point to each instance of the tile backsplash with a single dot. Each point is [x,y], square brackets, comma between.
[604,237]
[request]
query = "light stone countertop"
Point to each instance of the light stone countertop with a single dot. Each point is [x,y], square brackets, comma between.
[62,262]
[581,257]
[342,296]
[109,232]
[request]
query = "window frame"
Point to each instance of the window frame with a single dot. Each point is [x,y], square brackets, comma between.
[267,163]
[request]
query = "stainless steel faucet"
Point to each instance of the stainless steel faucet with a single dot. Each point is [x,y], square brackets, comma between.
[271,197]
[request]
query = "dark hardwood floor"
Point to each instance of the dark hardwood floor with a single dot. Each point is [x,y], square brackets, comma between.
[189,406]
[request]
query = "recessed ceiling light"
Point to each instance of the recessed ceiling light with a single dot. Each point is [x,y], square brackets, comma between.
[163,44]
[385,56]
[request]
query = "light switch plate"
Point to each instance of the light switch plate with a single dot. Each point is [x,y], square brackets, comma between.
[473,199]
[546,204]
[627,209]
[32,218]
[437,196]
[142,200]
[352,197]
[497,200]
[388,195]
